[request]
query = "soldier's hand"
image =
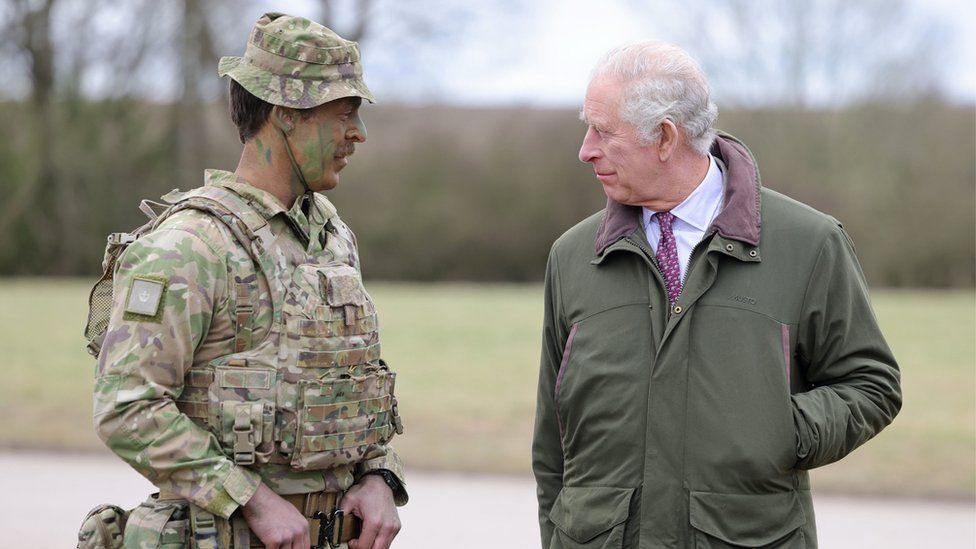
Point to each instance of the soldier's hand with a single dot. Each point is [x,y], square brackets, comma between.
[275,521]
[372,500]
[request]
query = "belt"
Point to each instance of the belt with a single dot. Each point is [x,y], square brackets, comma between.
[328,526]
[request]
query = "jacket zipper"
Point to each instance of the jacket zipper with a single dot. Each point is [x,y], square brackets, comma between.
[653,259]
[647,253]
[691,259]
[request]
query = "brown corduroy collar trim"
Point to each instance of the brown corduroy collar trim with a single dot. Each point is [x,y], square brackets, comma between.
[739,218]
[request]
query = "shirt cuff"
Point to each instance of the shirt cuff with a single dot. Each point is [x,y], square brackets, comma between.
[392,463]
[236,490]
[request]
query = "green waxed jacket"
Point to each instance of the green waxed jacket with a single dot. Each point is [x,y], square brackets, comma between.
[694,426]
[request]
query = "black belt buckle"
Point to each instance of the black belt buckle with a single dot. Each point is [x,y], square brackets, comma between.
[328,531]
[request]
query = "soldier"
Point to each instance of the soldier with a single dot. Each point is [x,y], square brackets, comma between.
[241,371]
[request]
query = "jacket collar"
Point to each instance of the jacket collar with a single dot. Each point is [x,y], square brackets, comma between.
[739,218]
[262,201]
[268,206]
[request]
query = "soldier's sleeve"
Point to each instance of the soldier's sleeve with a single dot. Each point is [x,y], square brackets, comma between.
[392,463]
[547,456]
[165,289]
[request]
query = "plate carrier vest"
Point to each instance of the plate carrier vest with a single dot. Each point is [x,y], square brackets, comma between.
[313,393]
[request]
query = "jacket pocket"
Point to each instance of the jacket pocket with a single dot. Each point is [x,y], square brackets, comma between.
[590,517]
[737,363]
[747,520]
[162,524]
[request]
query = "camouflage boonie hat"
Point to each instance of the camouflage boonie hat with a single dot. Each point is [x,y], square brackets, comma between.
[294,62]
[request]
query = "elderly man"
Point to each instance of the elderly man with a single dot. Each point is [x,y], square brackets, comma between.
[706,341]
[241,371]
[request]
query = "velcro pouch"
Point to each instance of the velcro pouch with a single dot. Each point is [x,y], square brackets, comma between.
[242,406]
[343,286]
[103,528]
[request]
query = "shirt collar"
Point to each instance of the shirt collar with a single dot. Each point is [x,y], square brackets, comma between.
[262,201]
[268,205]
[701,206]
[739,218]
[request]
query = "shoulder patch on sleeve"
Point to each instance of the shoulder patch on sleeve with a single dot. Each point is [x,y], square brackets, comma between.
[145,298]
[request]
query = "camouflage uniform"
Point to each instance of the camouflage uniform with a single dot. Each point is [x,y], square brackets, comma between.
[192,306]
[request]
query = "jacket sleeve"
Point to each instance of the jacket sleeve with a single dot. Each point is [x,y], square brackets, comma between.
[144,359]
[547,455]
[391,462]
[855,389]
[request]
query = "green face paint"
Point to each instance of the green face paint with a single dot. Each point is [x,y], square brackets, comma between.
[263,151]
[319,152]
[322,141]
[297,183]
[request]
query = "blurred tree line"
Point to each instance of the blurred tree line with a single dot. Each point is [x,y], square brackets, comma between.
[446,193]
[437,192]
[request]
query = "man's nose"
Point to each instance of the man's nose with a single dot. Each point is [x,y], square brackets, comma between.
[357,130]
[589,150]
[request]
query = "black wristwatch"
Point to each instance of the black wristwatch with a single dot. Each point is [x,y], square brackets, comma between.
[388,477]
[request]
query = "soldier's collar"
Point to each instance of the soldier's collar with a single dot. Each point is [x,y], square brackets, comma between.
[317,213]
[264,202]
[267,205]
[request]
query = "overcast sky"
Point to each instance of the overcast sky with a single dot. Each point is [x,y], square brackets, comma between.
[564,38]
[509,52]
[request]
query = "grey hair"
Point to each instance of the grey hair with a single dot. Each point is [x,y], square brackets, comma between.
[664,83]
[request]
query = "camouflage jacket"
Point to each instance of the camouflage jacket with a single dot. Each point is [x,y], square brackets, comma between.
[193,267]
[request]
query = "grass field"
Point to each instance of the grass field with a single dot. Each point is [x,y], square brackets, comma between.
[468,357]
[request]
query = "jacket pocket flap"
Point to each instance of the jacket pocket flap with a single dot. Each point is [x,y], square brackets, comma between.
[746,519]
[584,512]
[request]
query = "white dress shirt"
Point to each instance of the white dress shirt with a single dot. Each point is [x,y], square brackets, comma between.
[692,217]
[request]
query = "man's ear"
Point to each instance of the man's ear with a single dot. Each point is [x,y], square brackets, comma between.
[668,141]
[283,118]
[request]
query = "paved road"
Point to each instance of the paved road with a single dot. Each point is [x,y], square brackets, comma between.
[44,497]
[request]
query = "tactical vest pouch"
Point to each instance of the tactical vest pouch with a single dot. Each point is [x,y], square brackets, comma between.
[103,528]
[156,523]
[343,412]
[345,420]
[330,318]
[242,408]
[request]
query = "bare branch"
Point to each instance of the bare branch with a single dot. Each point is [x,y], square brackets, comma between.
[362,19]
[800,53]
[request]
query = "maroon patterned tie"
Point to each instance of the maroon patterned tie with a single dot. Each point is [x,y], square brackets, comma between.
[667,256]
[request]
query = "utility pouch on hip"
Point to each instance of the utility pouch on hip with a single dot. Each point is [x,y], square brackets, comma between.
[159,523]
[103,528]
